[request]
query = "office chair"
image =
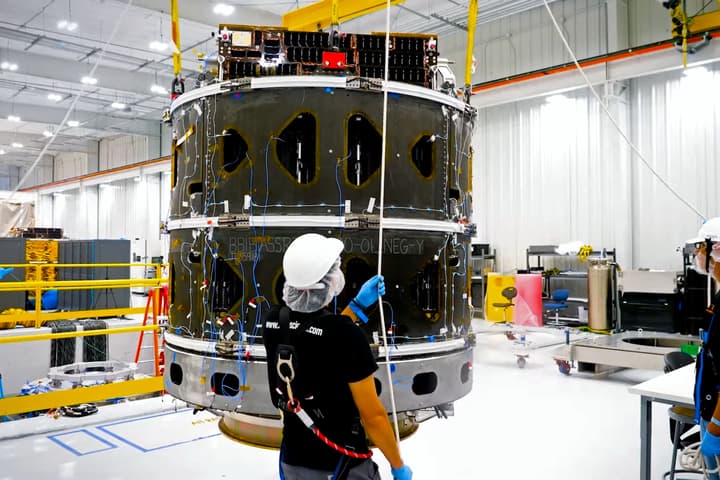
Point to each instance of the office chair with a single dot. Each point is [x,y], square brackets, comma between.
[557,303]
[682,419]
[509,293]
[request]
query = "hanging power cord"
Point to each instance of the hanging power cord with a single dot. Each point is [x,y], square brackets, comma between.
[383,159]
[612,119]
[74,102]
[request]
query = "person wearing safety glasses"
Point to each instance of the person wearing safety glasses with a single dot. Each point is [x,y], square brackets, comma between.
[707,380]
[320,371]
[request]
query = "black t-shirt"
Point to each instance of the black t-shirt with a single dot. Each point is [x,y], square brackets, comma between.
[332,351]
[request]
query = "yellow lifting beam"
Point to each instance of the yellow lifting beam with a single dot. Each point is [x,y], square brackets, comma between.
[74,396]
[320,15]
[705,22]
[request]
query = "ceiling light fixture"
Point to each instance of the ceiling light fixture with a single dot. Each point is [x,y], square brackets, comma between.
[73,123]
[68,24]
[13,118]
[47,133]
[118,106]
[16,145]
[55,97]
[88,80]
[159,89]
[137,179]
[8,66]
[2,152]
[223,9]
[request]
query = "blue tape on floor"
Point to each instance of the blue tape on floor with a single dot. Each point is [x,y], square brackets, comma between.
[105,429]
[66,446]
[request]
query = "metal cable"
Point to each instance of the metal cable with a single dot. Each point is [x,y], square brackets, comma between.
[383,160]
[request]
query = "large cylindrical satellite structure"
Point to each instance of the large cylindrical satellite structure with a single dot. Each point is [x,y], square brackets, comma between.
[288,141]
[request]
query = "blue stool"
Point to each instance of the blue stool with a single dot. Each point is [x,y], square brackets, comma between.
[559,297]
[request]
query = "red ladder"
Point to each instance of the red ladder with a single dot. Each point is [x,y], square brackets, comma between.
[158,300]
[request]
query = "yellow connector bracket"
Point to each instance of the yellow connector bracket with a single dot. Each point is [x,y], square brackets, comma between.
[319,15]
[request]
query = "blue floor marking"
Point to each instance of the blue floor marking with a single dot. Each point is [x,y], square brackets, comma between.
[104,429]
[54,438]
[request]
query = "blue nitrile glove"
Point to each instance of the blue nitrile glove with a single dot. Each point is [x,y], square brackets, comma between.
[4,271]
[367,296]
[710,445]
[402,473]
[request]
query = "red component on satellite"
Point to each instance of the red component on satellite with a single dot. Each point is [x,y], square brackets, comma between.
[333,60]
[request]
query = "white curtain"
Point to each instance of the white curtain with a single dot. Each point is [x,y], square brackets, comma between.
[132,209]
[547,171]
[550,171]
[75,211]
[676,123]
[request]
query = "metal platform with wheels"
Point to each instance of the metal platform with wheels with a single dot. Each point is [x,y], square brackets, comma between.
[636,349]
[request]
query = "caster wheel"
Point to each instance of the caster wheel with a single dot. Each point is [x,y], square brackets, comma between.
[521,362]
[563,367]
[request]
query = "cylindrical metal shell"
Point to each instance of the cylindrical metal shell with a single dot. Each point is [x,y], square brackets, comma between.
[255,167]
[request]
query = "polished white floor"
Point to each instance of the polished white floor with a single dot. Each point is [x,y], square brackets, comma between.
[520,424]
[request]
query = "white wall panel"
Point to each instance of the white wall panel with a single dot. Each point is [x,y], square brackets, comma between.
[41,174]
[9,176]
[528,41]
[125,150]
[70,165]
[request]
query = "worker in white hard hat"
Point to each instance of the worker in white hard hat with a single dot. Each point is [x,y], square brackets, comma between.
[320,371]
[707,381]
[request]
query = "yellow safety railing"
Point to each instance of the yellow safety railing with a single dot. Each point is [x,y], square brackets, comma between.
[37,318]
[58,398]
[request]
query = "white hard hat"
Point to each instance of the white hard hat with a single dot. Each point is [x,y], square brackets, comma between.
[308,258]
[710,229]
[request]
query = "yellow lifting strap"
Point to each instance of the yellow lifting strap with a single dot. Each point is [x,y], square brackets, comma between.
[177,54]
[472,23]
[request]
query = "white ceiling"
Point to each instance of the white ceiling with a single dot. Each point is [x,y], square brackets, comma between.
[51,60]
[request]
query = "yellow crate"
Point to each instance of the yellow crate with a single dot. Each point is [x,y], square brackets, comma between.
[44,273]
[40,250]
